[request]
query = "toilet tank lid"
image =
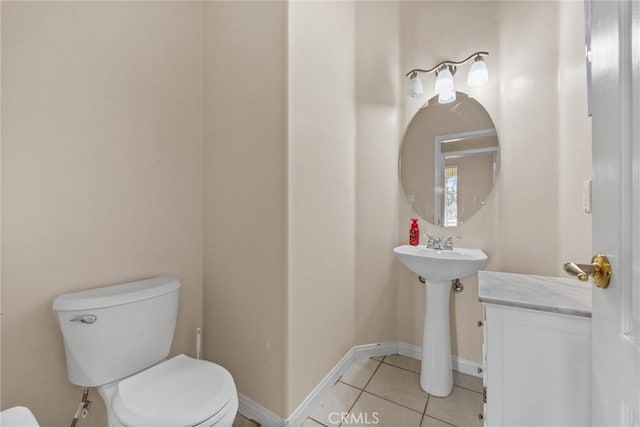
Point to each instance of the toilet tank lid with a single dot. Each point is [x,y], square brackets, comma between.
[113,295]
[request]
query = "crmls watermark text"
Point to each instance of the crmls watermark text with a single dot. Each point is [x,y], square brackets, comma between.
[336,418]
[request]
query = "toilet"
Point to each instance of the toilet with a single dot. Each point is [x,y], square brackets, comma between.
[117,338]
[18,416]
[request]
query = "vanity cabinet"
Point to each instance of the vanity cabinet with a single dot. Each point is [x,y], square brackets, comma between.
[537,350]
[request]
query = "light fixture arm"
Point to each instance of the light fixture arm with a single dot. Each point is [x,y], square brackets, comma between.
[437,67]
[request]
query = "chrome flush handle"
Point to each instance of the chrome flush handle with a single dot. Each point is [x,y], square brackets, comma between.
[87,319]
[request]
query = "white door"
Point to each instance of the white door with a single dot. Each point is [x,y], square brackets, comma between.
[615,42]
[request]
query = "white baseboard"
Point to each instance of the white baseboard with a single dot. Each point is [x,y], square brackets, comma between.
[254,411]
[266,418]
[459,364]
[375,350]
[302,412]
[465,366]
[410,350]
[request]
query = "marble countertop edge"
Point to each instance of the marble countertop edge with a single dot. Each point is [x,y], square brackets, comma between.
[537,307]
[560,295]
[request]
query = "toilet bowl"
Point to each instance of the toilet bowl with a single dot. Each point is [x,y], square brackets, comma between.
[117,339]
[178,392]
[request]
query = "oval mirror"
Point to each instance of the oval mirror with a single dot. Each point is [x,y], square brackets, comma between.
[449,160]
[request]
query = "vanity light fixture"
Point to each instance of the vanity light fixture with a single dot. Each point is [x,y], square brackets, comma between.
[444,86]
[478,74]
[416,89]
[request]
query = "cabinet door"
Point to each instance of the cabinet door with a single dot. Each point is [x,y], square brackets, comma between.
[485,366]
[539,367]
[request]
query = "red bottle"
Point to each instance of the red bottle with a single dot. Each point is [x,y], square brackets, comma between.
[414,233]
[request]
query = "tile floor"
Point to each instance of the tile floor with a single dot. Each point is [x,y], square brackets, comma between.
[386,389]
[241,421]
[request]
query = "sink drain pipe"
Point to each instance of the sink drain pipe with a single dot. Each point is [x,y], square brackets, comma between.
[457,286]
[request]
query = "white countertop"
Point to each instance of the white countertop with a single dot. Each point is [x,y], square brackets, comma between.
[542,293]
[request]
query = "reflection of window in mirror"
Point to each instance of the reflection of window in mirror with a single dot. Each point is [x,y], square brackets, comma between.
[440,136]
[451,196]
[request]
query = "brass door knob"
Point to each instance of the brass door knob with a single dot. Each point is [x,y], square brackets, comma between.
[599,269]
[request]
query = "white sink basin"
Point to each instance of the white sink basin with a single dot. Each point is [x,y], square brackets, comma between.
[439,268]
[441,265]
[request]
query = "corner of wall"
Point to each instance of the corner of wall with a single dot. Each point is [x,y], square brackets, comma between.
[245,146]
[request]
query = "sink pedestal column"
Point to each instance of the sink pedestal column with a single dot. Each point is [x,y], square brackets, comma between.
[435,374]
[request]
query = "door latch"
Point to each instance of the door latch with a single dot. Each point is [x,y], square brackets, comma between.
[599,269]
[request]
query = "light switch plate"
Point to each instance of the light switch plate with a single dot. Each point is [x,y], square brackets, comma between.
[586,196]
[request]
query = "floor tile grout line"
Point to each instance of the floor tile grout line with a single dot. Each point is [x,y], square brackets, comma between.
[418,373]
[342,382]
[442,421]
[425,405]
[362,389]
[467,388]
[391,401]
[353,404]
[362,392]
[400,367]
[439,419]
[339,380]
[366,384]
[388,400]
[373,375]
[322,424]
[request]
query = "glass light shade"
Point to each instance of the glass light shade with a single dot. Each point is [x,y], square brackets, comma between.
[447,96]
[478,74]
[416,89]
[444,81]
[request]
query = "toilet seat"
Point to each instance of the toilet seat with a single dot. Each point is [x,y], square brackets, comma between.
[178,392]
[18,416]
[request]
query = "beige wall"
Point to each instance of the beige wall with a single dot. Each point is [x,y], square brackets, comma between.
[276,137]
[377,71]
[535,48]
[528,127]
[477,28]
[321,200]
[245,66]
[327,311]
[574,136]
[1,133]
[101,174]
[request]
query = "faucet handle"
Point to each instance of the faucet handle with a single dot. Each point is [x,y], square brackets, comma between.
[448,242]
[430,240]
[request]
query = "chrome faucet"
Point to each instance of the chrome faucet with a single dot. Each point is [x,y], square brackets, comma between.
[448,243]
[433,242]
[437,243]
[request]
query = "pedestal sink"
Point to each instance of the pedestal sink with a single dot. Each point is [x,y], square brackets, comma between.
[439,268]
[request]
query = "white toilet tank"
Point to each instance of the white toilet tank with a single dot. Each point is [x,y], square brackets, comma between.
[115,331]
